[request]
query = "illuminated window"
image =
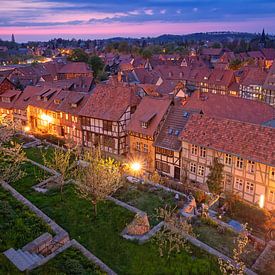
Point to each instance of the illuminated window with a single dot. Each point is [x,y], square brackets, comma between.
[145,148]
[138,146]
[193,167]
[228,159]
[251,166]
[67,116]
[201,170]
[194,150]
[239,184]
[249,188]
[239,163]
[202,152]
[271,196]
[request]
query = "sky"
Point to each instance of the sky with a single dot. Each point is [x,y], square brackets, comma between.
[46,19]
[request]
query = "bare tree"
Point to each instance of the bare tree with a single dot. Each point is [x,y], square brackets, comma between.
[98,177]
[61,161]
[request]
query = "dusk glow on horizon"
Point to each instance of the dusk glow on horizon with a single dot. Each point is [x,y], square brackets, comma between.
[45,19]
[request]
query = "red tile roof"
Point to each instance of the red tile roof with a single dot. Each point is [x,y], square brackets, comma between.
[12,95]
[231,107]
[23,100]
[249,141]
[109,102]
[269,53]
[254,76]
[76,68]
[147,107]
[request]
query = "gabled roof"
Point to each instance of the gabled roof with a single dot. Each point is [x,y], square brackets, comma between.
[23,100]
[12,95]
[212,51]
[73,102]
[76,68]
[149,106]
[254,76]
[269,53]
[168,138]
[109,102]
[249,141]
[231,107]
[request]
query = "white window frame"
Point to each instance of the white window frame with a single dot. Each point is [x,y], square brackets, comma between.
[251,166]
[194,150]
[201,170]
[240,163]
[203,152]
[193,167]
[239,184]
[271,196]
[250,187]
[228,159]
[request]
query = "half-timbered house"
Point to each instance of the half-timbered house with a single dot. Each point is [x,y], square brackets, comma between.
[245,149]
[168,144]
[105,116]
[144,128]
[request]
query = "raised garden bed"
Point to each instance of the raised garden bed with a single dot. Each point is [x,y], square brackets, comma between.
[146,198]
[223,241]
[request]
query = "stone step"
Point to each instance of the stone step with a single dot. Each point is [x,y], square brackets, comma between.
[16,259]
[29,260]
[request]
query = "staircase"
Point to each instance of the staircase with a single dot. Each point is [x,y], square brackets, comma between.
[22,259]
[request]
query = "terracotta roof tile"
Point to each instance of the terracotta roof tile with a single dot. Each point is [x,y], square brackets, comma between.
[231,107]
[147,107]
[249,141]
[109,102]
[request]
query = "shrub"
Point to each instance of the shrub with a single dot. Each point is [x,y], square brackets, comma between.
[209,221]
[199,196]
[256,217]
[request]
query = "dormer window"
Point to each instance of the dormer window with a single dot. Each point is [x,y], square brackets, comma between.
[144,125]
[57,101]
[74,105]
[38,97]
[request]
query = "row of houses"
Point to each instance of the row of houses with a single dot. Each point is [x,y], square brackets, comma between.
[177,135]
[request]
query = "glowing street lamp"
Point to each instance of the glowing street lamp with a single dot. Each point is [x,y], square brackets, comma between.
[135,166]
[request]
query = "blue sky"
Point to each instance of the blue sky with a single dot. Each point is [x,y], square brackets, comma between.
[44,19]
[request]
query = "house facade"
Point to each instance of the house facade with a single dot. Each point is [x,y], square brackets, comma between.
[245,150]
[105,116]
[144,128]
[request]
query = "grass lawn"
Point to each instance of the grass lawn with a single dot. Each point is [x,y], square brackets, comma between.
[71,261]
[224,242]
[101,235]
[36,154]
[18,226]
[145,199]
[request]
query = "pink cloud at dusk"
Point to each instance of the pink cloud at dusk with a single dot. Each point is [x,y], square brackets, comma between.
[102,30]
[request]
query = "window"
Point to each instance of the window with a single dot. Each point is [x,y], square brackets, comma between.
[249,188]
[272,174]
[107,125]
[251,166]
[228,159]
[144,125]
[164,167]
[271,196]
[239,163]
[108,142]
[145,148]
[202,152]
[201,170]
[67,116]
[239,184]
[164,152]
[138,146]
[194,150]
[193,167]
[228,179]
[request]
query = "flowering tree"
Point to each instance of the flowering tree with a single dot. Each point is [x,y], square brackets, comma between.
[97,177]
[238,266]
